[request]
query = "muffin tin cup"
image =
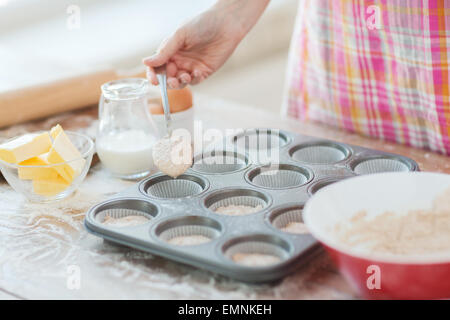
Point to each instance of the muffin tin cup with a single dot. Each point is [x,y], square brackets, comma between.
[279,176]
[236,197]
[319,184]
[257,251]
[126,207]
[264,146]
[260,139]
[188,230]
[320,152]
[165,187]
[378,164]
[281,218]
[220,162]
[184,208]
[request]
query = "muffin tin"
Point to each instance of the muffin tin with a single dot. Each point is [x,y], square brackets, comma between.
[275,171]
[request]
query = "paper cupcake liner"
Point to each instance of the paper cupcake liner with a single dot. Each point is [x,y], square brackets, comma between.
[260,139]
[284,218]
[318,154]
[279,179]
[220,162]
[119,213]
[188,231]
[174,188]
[380,165]
[321,184]
[125,208]
[250,201]
[261,252]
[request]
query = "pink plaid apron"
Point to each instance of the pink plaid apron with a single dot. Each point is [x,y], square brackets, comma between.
[379,68]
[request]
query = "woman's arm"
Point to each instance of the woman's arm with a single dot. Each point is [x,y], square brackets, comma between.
[202,45]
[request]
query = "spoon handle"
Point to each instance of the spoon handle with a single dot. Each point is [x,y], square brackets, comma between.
[162,79]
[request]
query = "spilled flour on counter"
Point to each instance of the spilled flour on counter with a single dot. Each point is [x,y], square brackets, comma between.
[238,210]
[417,232]
[189,240]
[255,259]
[127,221]
[295,227]
[173,155]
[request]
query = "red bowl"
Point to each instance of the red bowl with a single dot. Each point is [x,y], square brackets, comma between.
[376,275]
[397,281]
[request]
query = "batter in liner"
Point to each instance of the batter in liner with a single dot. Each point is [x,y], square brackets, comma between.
[295,227]
[255,259]
[189,240]
[127,221]
[237,210]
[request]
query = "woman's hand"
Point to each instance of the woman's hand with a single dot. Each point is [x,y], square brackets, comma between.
[202,45]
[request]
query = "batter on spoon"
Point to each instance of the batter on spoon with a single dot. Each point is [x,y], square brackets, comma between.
[173,155]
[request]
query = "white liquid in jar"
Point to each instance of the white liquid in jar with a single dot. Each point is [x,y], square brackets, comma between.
[126,152]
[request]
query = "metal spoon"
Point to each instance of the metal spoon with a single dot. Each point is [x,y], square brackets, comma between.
[162,79]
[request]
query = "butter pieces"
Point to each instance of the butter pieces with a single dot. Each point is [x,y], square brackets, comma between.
[50,187]
[25,147]
[32,169]
[55,131]
[46,180]
[63,152]
[49,160]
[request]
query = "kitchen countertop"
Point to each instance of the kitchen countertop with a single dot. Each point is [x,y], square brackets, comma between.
[43,247]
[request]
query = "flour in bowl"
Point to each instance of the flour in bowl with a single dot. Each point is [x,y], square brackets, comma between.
[417,232]
[127,221]
[173,155]
[255,259]
[238,210]
[189,240]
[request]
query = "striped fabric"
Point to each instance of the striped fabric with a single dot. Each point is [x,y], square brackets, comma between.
[379,68]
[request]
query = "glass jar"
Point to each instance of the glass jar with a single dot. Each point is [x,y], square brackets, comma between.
[126,132]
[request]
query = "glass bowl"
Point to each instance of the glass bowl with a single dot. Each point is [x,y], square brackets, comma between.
[85,146]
